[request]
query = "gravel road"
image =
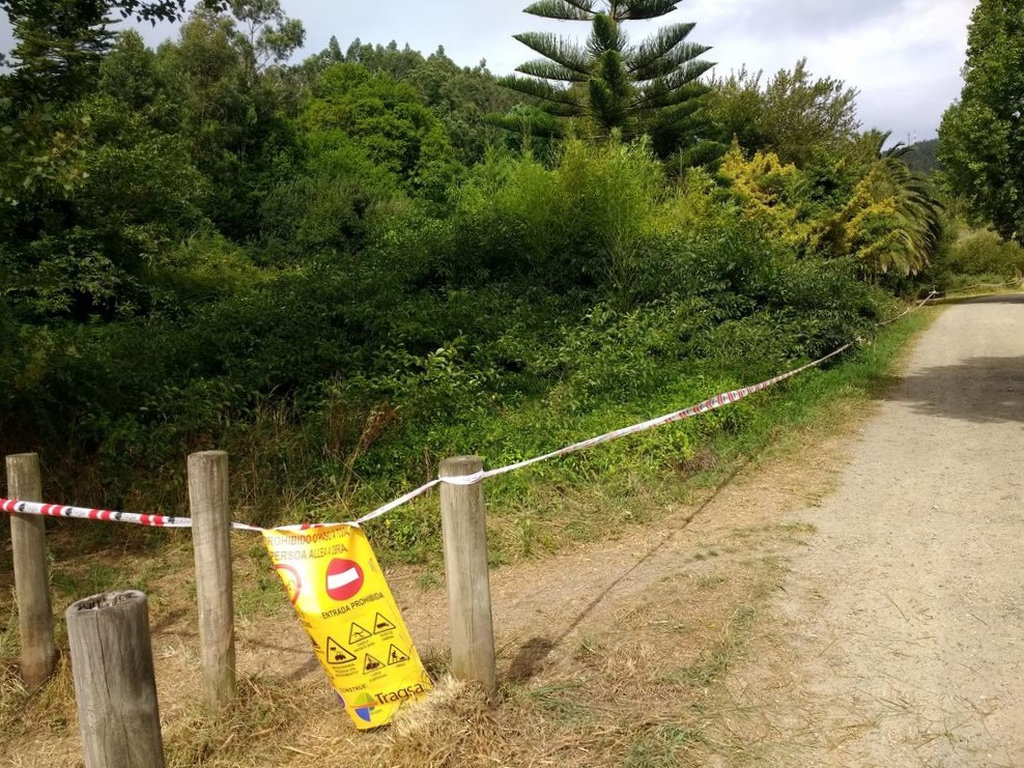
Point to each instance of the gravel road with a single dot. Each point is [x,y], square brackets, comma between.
[904,618]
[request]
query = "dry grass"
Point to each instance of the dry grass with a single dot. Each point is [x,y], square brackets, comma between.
[638,691]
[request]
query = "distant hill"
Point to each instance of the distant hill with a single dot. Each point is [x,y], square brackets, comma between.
[922,156]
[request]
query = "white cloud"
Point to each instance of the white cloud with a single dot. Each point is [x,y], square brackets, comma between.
[904,57]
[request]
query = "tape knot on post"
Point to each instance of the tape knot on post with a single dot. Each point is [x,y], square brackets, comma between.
[475,477]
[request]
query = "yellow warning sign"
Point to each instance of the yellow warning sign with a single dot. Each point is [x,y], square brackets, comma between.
[357,633]
[336,585]
[396,656]
[337,653]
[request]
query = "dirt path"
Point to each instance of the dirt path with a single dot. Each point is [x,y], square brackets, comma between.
[903,622]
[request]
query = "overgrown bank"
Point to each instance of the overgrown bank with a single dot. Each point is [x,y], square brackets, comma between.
[586,496]
[696,610]
[499,330]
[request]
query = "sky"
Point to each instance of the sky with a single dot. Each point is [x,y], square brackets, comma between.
[903,56]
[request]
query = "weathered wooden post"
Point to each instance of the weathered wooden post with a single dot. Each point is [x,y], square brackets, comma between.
[31,580]
[211,541]
[112,666]
[465,563]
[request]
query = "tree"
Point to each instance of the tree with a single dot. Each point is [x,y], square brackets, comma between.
[981,138]
[368,140]
[264,34]
[312,66]
[892,222]
[58,49]
[869,207]
[92,248]
[234,102]
[793,115]
[397,62]
[463,98]
[56,57]
[144,10]
[612,84]
[771,193]
[59,44]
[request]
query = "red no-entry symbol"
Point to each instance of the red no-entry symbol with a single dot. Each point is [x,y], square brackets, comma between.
[344,579]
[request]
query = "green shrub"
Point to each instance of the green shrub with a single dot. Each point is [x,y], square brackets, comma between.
[969,258]
[983,252]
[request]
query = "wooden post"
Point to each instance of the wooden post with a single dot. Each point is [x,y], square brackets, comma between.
[465,562]
[211,528]
[31,580]
[112,666]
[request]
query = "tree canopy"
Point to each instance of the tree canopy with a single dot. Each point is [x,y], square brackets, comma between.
[612,83]
[794,114]
[981,138]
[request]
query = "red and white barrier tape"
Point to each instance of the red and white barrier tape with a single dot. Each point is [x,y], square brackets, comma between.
[13,506]
[17,506]
[712,403]
[908,310]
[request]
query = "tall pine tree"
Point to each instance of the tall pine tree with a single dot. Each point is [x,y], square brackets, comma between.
[610,83]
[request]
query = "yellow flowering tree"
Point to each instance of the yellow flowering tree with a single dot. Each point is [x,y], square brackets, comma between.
[891,222]
[767,190]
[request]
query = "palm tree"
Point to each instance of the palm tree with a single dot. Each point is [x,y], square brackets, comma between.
[613,84]
[893,221]
[918,206]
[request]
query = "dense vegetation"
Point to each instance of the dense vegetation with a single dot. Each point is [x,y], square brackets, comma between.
[344,269]
[982,136]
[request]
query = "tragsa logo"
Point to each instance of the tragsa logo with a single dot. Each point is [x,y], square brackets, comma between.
[363,705]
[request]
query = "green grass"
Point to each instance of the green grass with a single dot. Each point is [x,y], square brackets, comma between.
[862,374]
[74,580]
[587,496]
[260,595]
[659,746]
[562,700]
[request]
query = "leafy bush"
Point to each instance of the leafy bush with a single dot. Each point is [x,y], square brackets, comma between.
[973,258]
[983,252]
[582,224]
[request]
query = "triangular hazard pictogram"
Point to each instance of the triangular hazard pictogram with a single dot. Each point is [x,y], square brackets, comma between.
[370,663]
[380,624]
[337,653]
[357,633]
[396,656]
